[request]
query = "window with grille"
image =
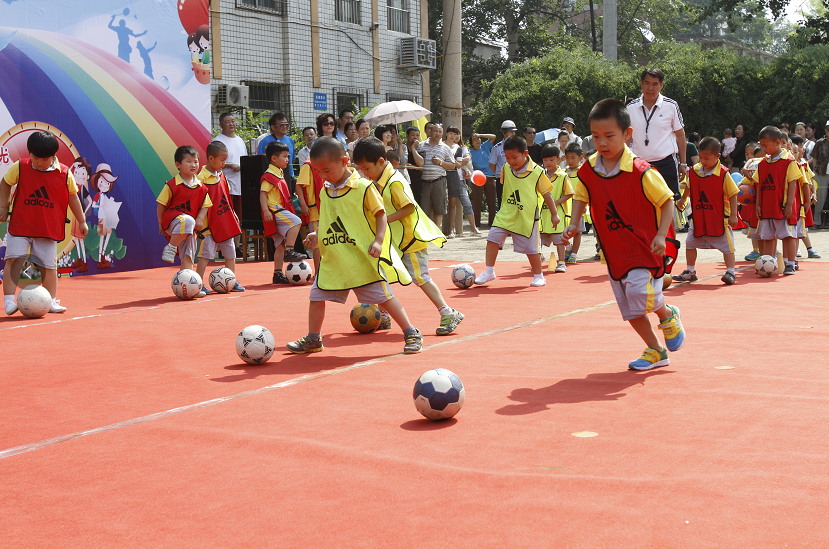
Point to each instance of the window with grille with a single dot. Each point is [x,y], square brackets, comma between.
[398,11]
[272,6]
[352,101]
[347,11]
[268,97]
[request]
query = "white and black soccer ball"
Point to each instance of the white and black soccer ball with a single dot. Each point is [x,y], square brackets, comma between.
[222,280]
[463,276]
[765,266]
[255,344]
[299,273]
[438,394]
[186,284]
[34,301]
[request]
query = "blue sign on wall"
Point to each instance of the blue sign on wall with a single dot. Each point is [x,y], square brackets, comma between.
[320,101]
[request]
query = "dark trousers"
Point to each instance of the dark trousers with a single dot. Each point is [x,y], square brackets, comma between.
[477,199]
[416,183]
[667,168]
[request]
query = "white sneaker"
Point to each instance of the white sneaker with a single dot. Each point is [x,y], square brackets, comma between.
[799,253]
[57,307]
[539,281]
[11,308]
[561,268]
[484,278]
[169,253]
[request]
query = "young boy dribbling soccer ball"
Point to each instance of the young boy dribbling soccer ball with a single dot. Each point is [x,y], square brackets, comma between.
[636,217]
[353,241]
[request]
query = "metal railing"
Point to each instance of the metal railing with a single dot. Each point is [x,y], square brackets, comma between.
[398,19]
[347,11]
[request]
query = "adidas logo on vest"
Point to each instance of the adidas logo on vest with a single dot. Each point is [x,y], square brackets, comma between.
[338,234]
[39,198]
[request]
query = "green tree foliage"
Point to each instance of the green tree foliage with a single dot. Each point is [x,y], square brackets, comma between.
[814,28]
[797,87]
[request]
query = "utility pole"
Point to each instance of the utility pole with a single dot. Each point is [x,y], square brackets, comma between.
[609,29]
[593,26]
[451,81]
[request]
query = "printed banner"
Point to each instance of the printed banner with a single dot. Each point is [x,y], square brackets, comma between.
[121,83]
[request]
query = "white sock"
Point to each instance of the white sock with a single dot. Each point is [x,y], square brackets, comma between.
[537,276]
[490,270]
[8,300]
[731,270]
[445,310]
[692,268]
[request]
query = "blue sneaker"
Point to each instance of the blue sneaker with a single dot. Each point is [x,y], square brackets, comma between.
[237,287]
[650,359]
[673,330]
[206,290]
[753,256]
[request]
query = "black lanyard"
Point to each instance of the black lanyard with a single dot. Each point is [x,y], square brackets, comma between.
[647,121]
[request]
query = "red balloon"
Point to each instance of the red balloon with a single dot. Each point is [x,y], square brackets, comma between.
[192,14]
[479,178]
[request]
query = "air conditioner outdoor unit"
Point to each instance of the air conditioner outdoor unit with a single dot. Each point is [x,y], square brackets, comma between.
[232,95]
[417,54]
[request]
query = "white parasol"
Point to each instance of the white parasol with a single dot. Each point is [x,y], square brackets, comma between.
[395,112]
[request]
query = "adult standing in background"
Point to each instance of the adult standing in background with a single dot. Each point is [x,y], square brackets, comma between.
[414,159]
[236,149]
[497,159]
[738,156]
[346,116]
[569,125]
[327,126]
[309,135]
[658,131]
[279,130]
[808,145]
[533,147]
[437,158]
[481,147]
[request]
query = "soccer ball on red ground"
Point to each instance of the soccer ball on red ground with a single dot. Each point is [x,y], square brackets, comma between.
[765,266]
[222,280]
[365,317]
[439,394]
[34,301]
[299,273]
[463,276]
[186,284]
[255,344]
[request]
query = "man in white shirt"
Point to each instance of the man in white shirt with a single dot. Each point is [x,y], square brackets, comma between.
[236,149]
[658,130]
[570,125]
[309,134]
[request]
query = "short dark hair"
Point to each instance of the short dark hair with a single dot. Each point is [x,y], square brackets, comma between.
[368,149]
[526,128]
[515,143]
[342,112]
[378,133]
[610,108]
[214,148]
[348,125]
[306,128]
[693,137]
[360,122]
[656,73]
[412,129]
[784,125]
[770,132]
[275,148]
[796,139]
[573,147]
[758,150]
[327,147]
[392,156]
[549,150]
[43,144]
[224,115]
[276,117]
[710,144]
[453,129]
[323,118]
[182,151]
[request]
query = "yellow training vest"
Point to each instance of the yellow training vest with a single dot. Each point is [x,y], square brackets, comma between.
[414,228]
[546,224]
[344,236]
[519,202]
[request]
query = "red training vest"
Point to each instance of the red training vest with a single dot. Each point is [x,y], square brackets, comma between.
[319,183]
[708,203]
[40,203]
[183,200]
[220,218]
[772,187]
[287,203]
[626,221]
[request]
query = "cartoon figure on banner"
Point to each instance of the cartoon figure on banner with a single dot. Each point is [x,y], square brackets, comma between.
[106,208]
[124,33]
[199,45]
[82,171]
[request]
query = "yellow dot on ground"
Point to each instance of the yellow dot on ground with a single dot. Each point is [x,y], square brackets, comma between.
[585,434]
[723,367]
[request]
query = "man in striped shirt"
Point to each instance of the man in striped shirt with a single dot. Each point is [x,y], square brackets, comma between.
[437,158]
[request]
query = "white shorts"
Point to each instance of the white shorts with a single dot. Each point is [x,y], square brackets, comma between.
[417,263]
[285,221]
[184,224]
[44,251]
[637,294]
[800,230]
[771,229]
[520,244]
[552,239]
[209,247]
[376,292]
[723,243]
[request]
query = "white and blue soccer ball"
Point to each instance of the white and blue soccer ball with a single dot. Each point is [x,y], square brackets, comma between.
[463,276]
[186,284]
[222,280]
[34,301]
[438,394]
[255,344]
[299,273]
[765,266]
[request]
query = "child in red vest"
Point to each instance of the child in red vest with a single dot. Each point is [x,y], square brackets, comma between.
[632,210]
[278,215]
[714,206]
[182,209]
[309,184]
[45,188]
[776,204]
[222,223]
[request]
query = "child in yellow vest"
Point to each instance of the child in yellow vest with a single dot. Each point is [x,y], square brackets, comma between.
[411,231]
[524,181]
[573,156]
[354,244]
[562,193]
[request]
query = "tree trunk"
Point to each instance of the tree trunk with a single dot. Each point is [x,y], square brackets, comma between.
[512,24]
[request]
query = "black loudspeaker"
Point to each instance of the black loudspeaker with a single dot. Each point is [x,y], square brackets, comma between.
[252,169]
